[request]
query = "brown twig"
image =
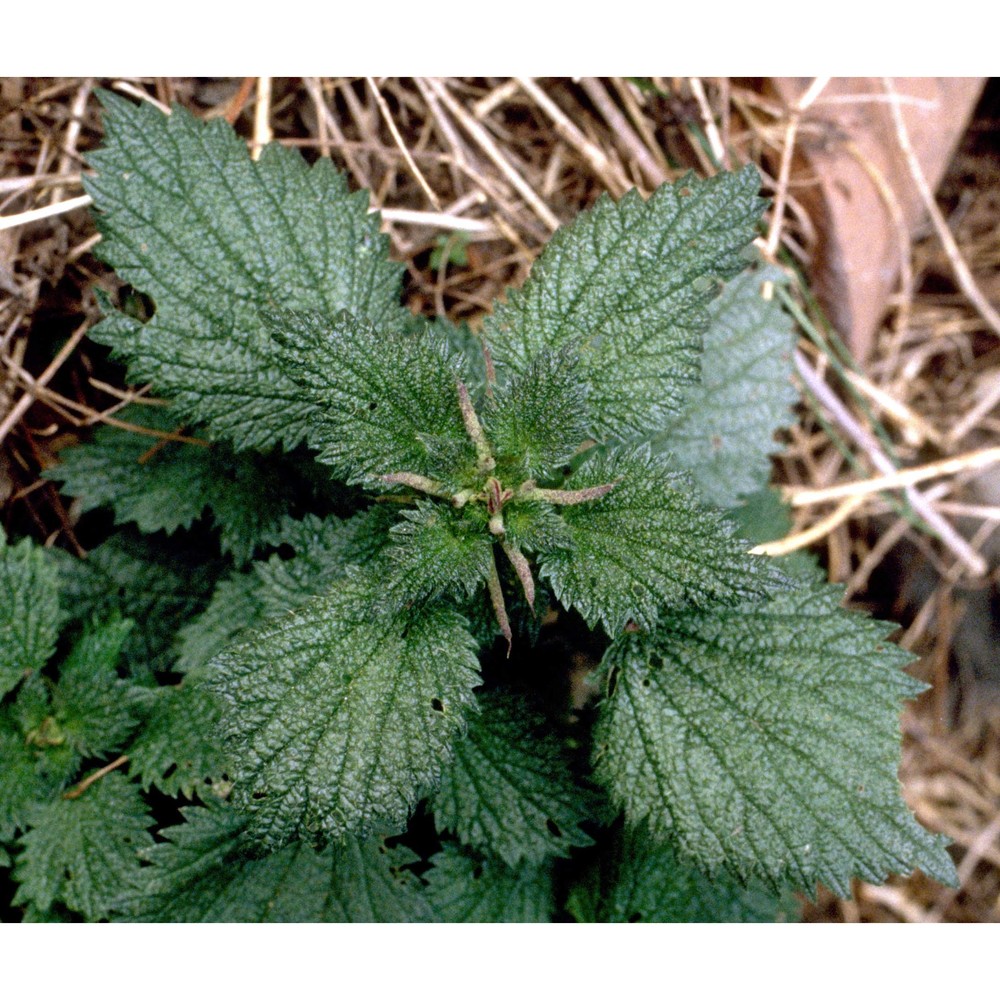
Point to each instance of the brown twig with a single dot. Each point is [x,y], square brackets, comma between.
[482,138]
[77,790]
[973,561]
[27,397]
[398,139]
[961,270]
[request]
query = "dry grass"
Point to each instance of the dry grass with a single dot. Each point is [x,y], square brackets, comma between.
[490,167]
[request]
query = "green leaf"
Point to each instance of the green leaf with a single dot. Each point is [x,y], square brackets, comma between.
[537,422]
[84,851]
[203,874]
[161,587]
[508,789]
[651,884]
[463,887]
[627,284]
[464,342]
[383,403]
[95,709]
[338,716]
[179,748]
[764,516]
[29,610]
[213,237]
[535,527]
[765,739]
[646,545]
[167,485]
[437,550]
[324,549]
[237,604]
[31,773]
[724,434]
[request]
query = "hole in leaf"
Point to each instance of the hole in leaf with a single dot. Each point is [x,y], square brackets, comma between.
[372,406]
[437,704]
[635,918]
[285,551]
[258,795]
[553,827]
[477,872]
[646,682]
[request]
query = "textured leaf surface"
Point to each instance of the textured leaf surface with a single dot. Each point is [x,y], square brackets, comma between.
[201,874]
[30,774]
[536,422]
[627,284]
[237,604]
[168,485]
[85,851]
[465,888]
[29,610]
[508,789]
[765,739]
[94,708]
[323,549]
[724,434]
[437,550]
[652,885]
[337,717]
[213,237]
[180,746]
[383,403]
[160,587]
[646,545]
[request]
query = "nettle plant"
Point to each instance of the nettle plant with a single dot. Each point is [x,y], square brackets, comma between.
[329,667]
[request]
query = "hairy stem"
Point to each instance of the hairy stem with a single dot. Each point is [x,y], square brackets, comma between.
[499,607]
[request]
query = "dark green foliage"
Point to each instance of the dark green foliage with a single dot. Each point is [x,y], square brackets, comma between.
[92,709]
[304,639]
[236,604]
[338,718]
[383,405]
[540,418]
[179,750]
[650,884]
[323,550]
[509,790]
[765,738]
[724,432]
[646,545]
[203,874]
[84,851]
[166,485]
[628,284]
[463,887]
[436,550]
[33,770]
[29,611]
[214,238]
[158,586]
